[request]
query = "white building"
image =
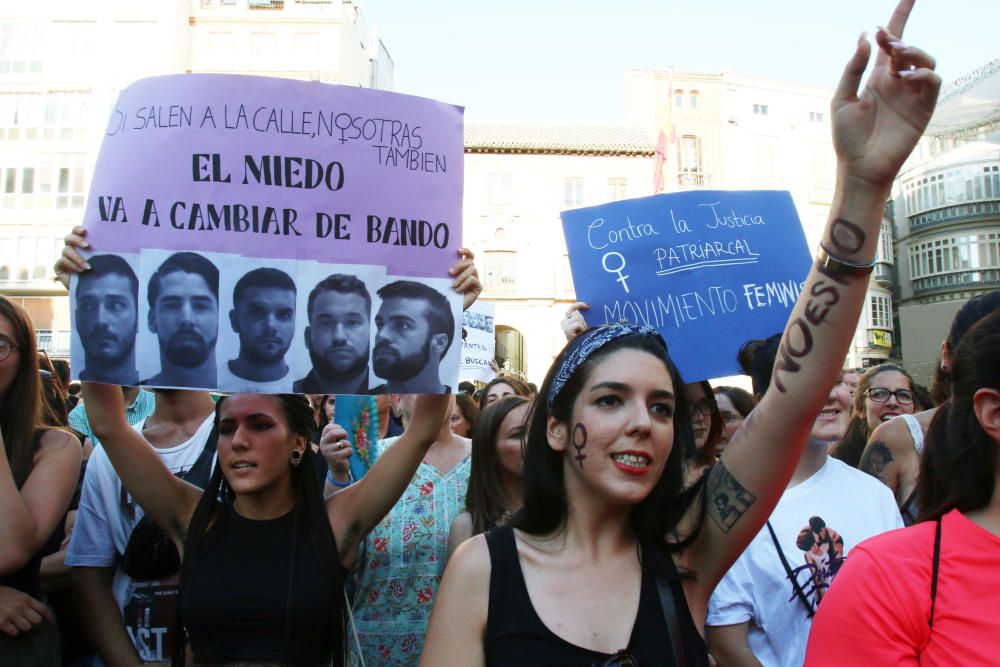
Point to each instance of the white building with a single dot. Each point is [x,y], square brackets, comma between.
[62,65]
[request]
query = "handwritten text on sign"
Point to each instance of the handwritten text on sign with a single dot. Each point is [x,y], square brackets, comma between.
[281,168]
[709,269]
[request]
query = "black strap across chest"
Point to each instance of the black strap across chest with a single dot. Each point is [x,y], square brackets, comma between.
[801,594]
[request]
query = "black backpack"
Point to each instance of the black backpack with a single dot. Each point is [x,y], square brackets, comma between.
[150,554]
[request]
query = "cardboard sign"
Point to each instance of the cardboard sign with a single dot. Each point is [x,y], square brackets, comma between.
[479,344]
[709,269]
[257,234]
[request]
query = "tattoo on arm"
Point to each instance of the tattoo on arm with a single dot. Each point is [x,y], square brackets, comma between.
[876,457]
[728,500]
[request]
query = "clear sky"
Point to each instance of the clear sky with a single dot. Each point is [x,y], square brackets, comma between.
[566,59]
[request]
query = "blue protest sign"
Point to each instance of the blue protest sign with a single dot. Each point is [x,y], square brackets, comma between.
[710,269]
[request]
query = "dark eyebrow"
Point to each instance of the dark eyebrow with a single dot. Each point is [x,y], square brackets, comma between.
[622,387]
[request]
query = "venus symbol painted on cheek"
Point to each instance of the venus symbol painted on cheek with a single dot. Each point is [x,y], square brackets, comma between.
[579,443]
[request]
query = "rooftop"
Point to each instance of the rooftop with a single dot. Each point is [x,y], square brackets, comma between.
[558,138]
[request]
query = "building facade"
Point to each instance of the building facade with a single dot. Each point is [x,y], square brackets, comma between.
[518,178]
[946,217]
[62,65]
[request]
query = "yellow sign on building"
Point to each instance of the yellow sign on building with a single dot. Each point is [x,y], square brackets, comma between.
[882,339]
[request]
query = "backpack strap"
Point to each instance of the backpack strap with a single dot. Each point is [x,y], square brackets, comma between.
[934,570]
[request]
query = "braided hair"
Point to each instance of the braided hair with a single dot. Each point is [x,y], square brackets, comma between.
[309,517]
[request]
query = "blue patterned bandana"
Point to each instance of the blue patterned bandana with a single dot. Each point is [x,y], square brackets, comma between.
[583,347]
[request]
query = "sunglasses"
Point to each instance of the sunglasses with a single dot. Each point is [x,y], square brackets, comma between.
[621,658]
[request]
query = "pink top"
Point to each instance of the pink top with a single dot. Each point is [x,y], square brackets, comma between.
[877,613]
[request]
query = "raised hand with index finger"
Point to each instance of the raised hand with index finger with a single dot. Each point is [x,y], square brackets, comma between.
[875,131]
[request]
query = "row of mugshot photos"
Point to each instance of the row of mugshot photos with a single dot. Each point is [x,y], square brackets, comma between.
[233,323]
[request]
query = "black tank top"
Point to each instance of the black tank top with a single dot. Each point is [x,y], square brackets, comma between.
[234,604]
[28,579]
[515,635]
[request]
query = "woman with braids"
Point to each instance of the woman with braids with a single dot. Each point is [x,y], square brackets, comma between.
[496,476]
[39,467]
[928,594]
[884,392]
[611,561]
[892,454]
[263,556]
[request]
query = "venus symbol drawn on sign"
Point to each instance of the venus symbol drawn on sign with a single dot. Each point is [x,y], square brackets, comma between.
[622,278]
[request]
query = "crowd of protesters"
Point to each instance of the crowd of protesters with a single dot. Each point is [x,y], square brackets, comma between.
[615,515]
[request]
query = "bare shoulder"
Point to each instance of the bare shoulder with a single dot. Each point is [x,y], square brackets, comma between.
[56,439]
[471,561]
[893,435]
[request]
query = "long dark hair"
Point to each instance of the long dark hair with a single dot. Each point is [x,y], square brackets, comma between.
[310,518]
[485,500]
[655,518]
[21,408]
[852,445]
[469,409]
[974,310]
[958,467]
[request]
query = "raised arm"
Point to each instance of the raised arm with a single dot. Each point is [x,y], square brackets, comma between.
[356,510]
[873,133]
[31,513]
[169,501]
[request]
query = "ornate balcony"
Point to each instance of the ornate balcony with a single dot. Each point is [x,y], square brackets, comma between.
[957,213]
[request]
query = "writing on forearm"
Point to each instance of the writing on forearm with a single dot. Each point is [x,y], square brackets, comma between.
[876,457]
[847,238]
[727,499]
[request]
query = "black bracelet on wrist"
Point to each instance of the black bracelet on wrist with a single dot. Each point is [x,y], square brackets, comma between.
[842,267]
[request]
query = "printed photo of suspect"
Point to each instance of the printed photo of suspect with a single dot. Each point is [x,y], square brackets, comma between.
[415,326]
[338,336]
[182,297]
[106,319]
[263,318]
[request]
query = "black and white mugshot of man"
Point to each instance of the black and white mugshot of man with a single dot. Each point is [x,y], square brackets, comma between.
[183,298]
[107,318]
[415,327]
[338,337]
[263,316]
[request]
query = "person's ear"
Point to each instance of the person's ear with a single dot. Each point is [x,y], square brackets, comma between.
[557,434]
[439,343]
[234,321]
[986,404]
[308,340]
[945,357]
[151,320]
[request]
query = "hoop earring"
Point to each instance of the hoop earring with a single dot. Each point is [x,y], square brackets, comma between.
[296,457]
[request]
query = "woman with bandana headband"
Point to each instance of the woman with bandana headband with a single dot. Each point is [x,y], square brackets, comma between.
[611,561]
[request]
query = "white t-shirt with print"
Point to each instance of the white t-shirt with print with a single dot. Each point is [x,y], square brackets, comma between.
[817,523]
[104,524]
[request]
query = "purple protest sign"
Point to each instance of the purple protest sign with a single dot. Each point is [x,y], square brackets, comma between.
[272,235]
[326,172]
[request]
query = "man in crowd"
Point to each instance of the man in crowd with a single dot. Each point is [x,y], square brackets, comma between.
[107,316]
[128,620]
[339,311]
[183,298]
[415,329]
[263,316]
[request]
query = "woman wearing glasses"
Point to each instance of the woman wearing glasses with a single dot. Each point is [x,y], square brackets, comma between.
[39,467]
[611,560]
[894,448]
[928,594]
[884,392]
[734,406]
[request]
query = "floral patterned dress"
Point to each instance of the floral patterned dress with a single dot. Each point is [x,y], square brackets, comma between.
[402,563]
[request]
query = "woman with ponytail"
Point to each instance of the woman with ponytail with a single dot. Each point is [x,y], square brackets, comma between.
[263,555]
[927,595]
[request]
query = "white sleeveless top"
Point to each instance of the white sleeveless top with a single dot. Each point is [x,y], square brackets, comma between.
[916,432]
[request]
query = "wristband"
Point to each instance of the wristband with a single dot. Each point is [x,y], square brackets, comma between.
[329,478]
[833,265]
